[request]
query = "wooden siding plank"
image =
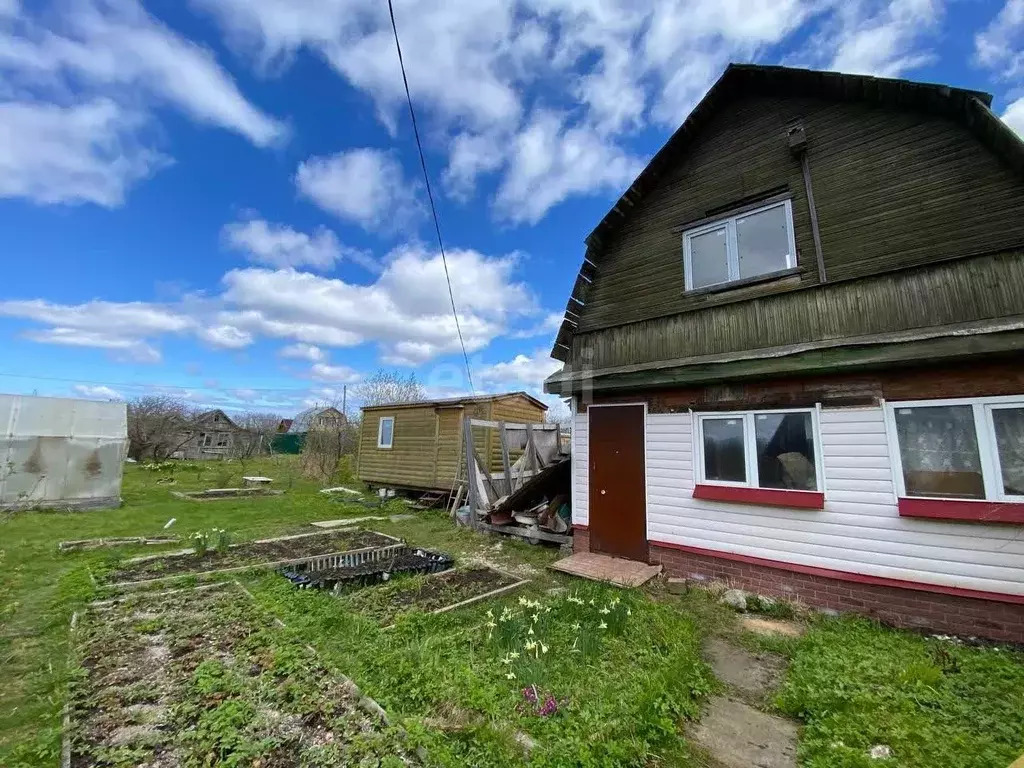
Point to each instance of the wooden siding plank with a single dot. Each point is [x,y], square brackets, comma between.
[893,189]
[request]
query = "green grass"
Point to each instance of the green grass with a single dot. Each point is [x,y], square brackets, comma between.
[935,703]
[853,683]
[629,693]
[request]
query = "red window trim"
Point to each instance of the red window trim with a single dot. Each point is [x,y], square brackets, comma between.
[963,509]
[771,497]
[859,578]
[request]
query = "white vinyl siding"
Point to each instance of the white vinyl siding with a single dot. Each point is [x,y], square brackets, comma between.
[859,531]
[580,475]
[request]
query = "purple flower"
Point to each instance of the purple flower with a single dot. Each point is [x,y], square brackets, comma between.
[530,694]
[549,708]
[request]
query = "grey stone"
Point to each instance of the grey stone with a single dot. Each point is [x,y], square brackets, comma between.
[735,598]
[881,752]
[739,736]
[677,586]
[755,676]
[766,603]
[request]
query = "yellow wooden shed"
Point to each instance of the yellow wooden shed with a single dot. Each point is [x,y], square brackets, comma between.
[419,445]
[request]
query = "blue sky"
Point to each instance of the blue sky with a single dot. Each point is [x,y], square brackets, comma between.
[222,198]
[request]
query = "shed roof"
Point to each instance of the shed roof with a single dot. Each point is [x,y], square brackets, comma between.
[968,107]
[455,401]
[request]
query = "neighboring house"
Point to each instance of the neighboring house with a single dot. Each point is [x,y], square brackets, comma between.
[419,445]
[61,453]
[317,418]
[284,425]
[212,435]
[794,351]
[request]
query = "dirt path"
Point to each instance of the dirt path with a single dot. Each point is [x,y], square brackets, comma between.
[736,731]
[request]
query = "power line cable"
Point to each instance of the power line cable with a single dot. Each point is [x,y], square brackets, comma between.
[430,195]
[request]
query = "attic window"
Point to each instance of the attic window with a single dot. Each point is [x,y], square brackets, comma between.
[742,246]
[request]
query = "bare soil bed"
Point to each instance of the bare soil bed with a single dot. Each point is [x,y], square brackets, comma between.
[428,593]
[203,677]
[247,554]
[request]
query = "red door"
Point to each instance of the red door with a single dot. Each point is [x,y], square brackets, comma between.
[618,496]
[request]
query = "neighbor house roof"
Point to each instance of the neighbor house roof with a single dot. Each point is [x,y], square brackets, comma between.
[970,108]
[205,415]
[456,401]
[302,421]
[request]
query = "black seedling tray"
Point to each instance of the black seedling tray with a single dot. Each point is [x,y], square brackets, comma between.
[406,561]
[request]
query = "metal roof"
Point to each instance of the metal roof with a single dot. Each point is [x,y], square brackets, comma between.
[454,401]
[968,107]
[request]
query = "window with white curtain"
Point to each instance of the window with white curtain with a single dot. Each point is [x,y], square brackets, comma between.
[971,448]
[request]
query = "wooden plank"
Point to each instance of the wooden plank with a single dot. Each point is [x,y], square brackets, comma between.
[519,530]
[506,464]
[512,426]
[470,471]
[805,165]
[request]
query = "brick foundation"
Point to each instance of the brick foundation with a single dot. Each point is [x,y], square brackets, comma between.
[901,607]
[580,539]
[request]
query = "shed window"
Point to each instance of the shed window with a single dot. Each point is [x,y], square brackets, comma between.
[960,449]
[760,449]
[385,431]
[222,439]
[205,439]
[748,245]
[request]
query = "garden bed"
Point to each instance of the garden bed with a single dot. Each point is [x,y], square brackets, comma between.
[201,677]
[434,593]
[313,549]
[225,493]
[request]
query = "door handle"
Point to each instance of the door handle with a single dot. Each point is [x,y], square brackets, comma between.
[602,491]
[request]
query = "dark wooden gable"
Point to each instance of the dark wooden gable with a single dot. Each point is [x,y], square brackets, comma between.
[904,174]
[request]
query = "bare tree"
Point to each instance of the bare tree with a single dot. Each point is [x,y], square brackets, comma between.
[386,387]
[261,428]
[158,425]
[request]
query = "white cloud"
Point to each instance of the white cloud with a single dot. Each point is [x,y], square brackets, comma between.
[548,326]
[117,44]
[97,392]
[77,83]
[365,186]
[521,372]
[225,336]
[550,162]
[300,351]
[1000,46]
[886,41]
[278,245]
[1014,116]
[87,153]
[474,69]
[341,374]
[406,311]
[120,328]
[122,348]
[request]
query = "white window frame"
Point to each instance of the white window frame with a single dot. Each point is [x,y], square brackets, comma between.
[984,428]
[732,255]
[750,447]
[380,432]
